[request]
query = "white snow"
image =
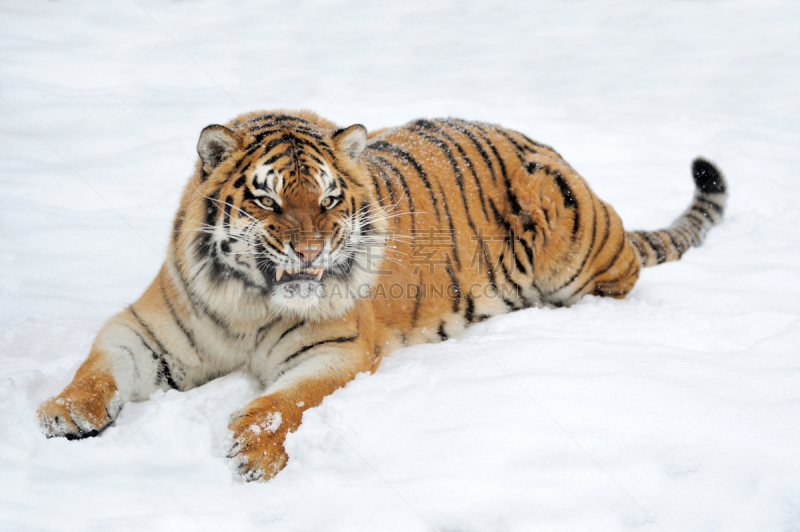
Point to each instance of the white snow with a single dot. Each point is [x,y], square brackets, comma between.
[677,409]
[270,424]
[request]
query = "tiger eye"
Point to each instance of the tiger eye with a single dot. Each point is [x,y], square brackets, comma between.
[326,202]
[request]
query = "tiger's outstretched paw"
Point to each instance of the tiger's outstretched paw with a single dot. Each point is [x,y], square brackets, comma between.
[258,435]
[82,410]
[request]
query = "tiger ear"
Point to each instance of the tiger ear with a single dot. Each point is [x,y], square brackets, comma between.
[351,140]
[215,144]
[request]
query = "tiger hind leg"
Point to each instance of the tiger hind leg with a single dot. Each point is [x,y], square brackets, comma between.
[621,277]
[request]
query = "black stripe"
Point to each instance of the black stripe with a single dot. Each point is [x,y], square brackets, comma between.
[197,302]
[226,217]
[261,137]
[286,153]
[469,311]
[637,243]
[471,167]
[163,368]
[205,249]
[289,330]
[703,211]
[533,142]
[308,132]
[519,147]
[456,255]
[400,153]
[314,158]
[465,130]
[609,265]
[699,222]
[601,247]
[269,146]
[146,346]
[261,334]
[569,201]
[341,340]
[400,177]
[317,147]
[631,266]
[586,257]
[211,208]
[709,203]
[658,246]
[566,191]
[513,202]
[378,189]
[302,126]
[510,237]
[136,372]
[148,330]
[499,219]
[528,254]
[174,312]
[454,281]
[457,174]
[509,280]
[442,335]
[675,245]
[607,232]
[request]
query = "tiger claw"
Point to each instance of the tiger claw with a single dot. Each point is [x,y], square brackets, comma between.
[234,449]
[253,475]
[257,450]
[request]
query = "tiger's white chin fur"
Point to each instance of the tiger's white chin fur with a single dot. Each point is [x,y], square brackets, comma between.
[299,297]
[328,298]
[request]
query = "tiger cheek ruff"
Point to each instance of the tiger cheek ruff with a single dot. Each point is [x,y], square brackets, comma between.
[304,253]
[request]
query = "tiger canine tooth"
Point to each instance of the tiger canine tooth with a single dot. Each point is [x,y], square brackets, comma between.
[320,271]
[279,274]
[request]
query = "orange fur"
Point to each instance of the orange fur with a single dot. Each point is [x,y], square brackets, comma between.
[84,406]
[443,223]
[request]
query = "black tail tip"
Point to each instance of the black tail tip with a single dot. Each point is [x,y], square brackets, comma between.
[707,177]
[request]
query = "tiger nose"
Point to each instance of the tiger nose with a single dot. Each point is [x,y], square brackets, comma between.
[307,255]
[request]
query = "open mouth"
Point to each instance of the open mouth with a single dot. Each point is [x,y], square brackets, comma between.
[299,274]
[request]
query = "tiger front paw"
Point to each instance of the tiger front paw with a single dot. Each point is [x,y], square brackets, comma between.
[258,435]
[82,410]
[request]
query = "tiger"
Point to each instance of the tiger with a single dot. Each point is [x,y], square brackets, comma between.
[302,253]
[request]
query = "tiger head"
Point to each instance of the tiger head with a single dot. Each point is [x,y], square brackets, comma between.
[285,217]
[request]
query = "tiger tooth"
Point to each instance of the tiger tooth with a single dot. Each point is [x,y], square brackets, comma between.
[320,271]
[279,274]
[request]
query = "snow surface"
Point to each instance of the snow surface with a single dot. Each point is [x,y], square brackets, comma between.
[677,409]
